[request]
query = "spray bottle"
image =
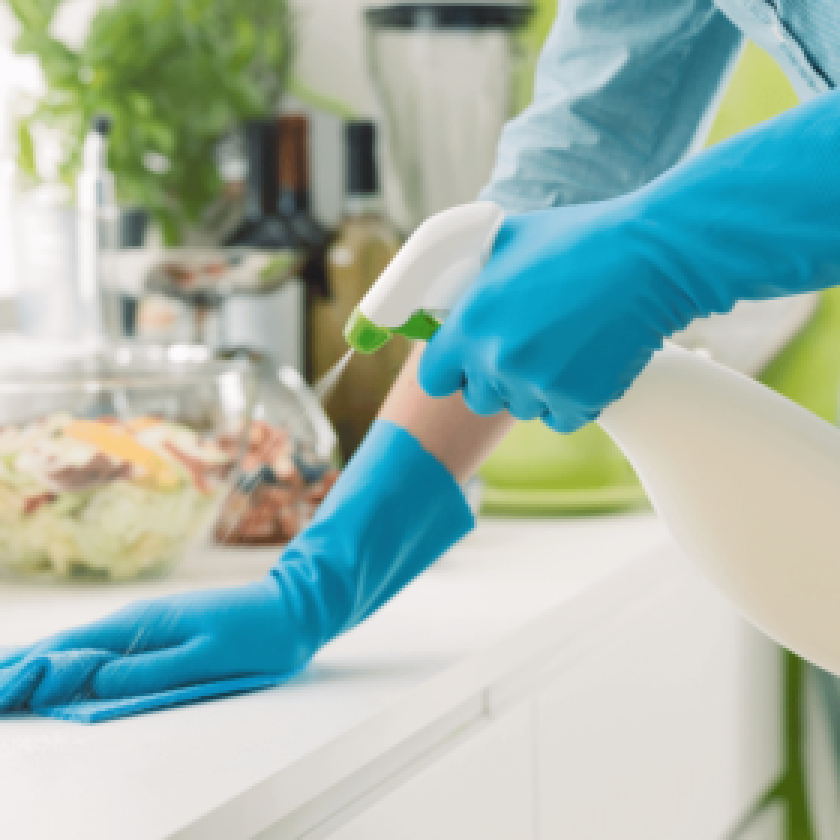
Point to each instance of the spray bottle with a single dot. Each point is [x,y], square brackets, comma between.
[747,482]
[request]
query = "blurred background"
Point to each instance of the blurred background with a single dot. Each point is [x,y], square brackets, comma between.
[254,166]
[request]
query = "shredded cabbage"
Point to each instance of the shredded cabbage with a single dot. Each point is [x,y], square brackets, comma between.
[117,530]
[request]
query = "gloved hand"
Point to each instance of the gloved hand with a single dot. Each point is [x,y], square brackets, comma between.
[574,301]
[393,511]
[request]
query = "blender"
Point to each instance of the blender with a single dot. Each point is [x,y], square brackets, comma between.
[447,77]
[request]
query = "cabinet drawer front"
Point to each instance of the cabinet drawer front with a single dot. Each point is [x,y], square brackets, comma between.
[668,727]
[482,788]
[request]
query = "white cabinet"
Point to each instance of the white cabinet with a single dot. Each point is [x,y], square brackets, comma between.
[664,723]
[667,727]
[482,788]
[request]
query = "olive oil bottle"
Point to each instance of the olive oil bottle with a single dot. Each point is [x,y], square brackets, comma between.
[363,247]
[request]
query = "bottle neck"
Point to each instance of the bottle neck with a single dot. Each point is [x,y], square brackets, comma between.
[293,166]
[362,204]
[262,179]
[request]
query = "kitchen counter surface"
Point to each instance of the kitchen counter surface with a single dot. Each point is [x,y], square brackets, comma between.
[418,670]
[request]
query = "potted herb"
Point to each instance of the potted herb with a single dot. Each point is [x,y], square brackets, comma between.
[174,75]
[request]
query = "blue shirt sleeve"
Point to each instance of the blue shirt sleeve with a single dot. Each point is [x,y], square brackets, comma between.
[623,91]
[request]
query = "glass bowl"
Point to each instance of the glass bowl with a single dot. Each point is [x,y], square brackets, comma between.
[115,462]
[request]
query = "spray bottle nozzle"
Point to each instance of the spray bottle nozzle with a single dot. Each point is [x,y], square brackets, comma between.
[363,335]
[367,337]
[426,278]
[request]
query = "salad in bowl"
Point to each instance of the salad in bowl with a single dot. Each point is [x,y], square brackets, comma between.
[127,470]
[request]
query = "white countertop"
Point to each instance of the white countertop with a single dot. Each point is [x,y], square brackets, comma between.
[252,760]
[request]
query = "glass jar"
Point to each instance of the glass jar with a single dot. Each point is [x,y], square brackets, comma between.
[289,464]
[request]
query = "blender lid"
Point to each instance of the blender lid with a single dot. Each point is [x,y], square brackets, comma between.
[451,15]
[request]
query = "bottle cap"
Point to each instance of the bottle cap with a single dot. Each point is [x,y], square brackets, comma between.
[360,138]
[364,335]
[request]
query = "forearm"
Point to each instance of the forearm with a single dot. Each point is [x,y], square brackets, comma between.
[756,217]
[446,428]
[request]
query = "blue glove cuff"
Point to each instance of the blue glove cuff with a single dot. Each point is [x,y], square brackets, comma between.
[394,511]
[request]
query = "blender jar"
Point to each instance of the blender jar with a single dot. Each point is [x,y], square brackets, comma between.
[445,75]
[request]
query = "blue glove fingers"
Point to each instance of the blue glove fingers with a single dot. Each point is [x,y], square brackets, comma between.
[17,684]
[440,372]
[138,628]
[150,673]
[565,424]
[114,633]
[66,676]
[47,679]
[14,656]
[524,407]
[481,397]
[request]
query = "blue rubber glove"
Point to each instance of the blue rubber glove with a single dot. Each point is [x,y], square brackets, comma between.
[575,300]
[394,510]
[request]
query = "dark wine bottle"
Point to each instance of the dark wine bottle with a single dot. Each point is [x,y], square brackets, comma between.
[263,226]
[293,205]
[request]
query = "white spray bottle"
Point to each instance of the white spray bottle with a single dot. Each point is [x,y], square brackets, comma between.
[747,482]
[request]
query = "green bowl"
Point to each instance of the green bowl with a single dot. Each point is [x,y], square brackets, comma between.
[807,371]
[537,472]
[534,457]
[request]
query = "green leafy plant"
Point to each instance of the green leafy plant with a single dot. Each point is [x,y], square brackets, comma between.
[174,75]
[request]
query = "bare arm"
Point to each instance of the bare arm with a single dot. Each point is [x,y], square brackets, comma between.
[446,428]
